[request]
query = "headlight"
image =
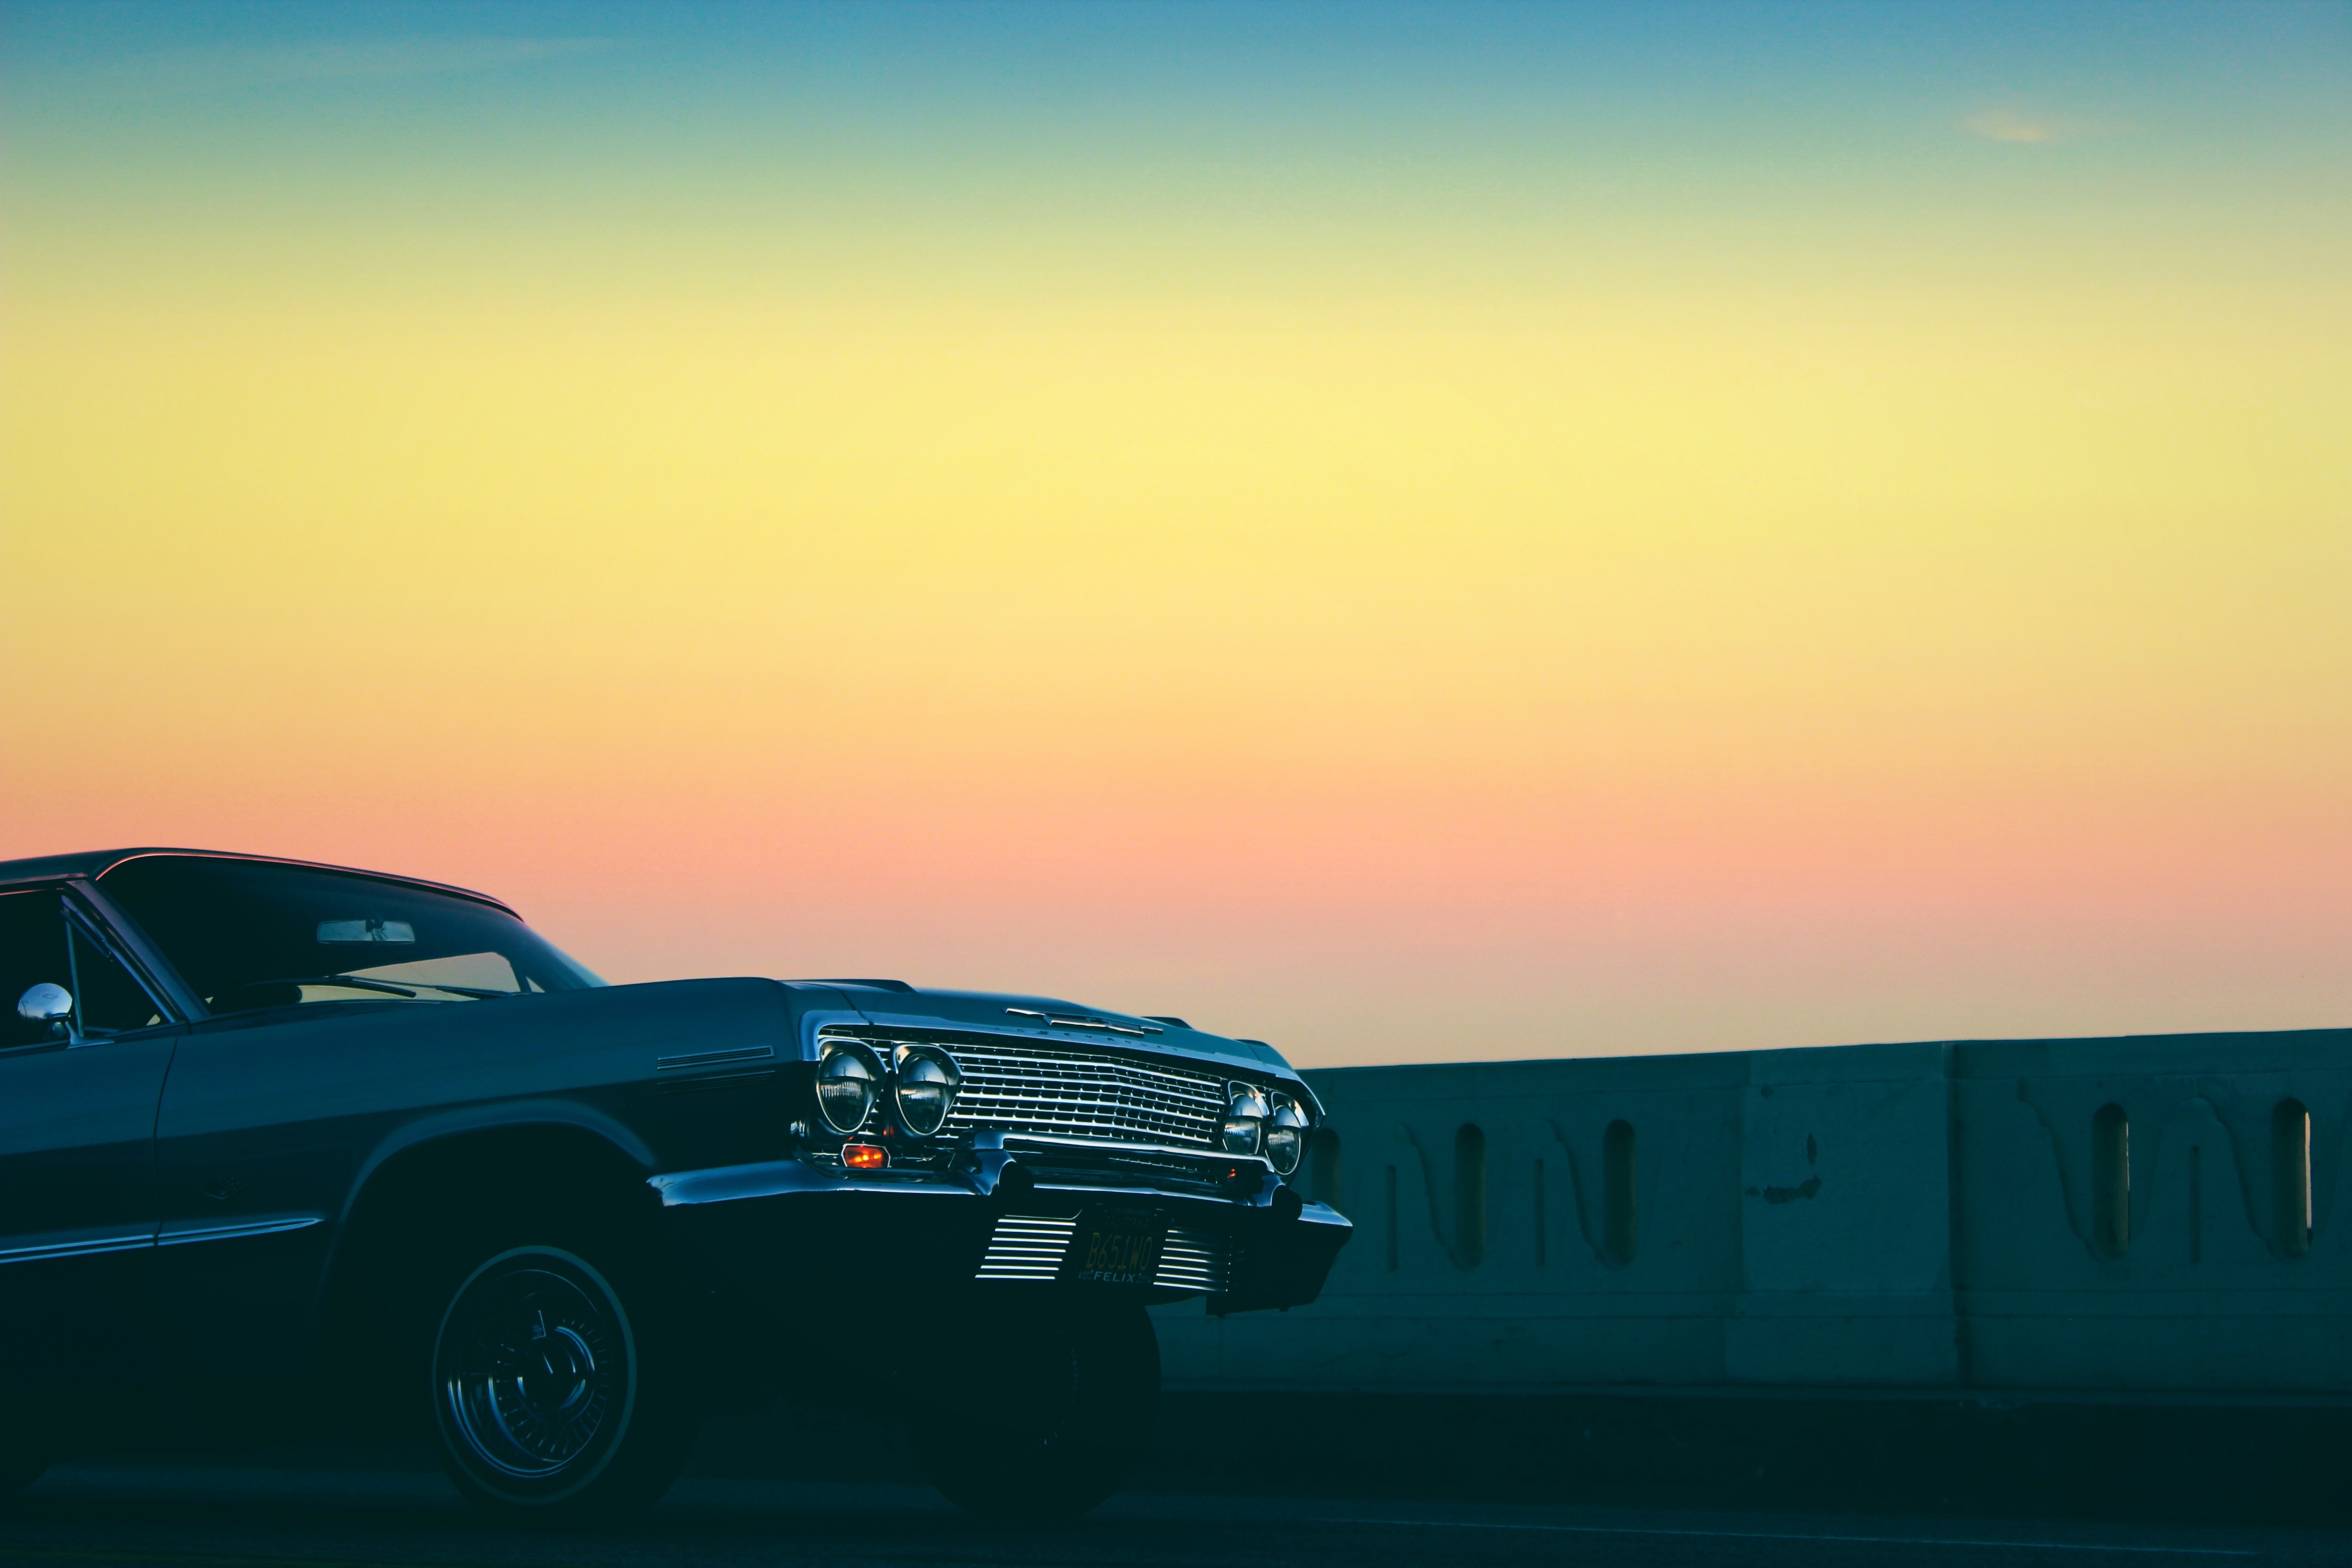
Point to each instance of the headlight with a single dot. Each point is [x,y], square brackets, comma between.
[927,1090]
[1285,1135]
[847,1083]
[1245,1125]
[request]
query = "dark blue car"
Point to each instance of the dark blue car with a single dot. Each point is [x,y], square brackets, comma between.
[290,1149]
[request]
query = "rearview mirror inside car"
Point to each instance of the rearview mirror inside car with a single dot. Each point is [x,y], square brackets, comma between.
[335,933]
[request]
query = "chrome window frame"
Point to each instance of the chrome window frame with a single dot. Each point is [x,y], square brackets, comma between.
[122,938]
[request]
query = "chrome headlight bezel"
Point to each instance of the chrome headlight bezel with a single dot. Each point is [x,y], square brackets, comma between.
[847,1061]
[926,1082]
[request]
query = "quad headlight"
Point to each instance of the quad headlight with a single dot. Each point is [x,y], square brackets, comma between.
[1285,1135]
[1243,1132]
[848,1082]
[928,1082]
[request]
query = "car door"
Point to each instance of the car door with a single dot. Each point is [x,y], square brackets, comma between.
[268,1117]
[78,1102]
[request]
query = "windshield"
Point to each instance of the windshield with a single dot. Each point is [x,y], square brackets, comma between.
[246,935]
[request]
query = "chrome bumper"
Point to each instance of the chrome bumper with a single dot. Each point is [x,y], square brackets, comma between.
[1004,1218]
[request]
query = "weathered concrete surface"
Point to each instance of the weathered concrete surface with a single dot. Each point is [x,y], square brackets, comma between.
[1903,1217]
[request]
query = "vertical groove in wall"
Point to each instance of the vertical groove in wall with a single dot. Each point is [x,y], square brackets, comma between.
[1537,1191]
[2196,1202]
[2111,1181]
[1469,1195]
[1618,1233]
[1389,1213]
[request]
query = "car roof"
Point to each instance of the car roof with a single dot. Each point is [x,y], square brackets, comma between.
[95,863]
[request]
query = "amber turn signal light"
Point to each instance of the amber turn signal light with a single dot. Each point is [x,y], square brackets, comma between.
[865,1156]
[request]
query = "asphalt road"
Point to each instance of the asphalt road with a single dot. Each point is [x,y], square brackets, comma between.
[120,1515]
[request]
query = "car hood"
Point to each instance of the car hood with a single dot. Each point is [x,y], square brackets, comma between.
[1047,1019]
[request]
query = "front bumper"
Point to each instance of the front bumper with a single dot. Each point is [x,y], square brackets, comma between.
[992,1222]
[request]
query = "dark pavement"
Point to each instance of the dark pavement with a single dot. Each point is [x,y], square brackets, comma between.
[254,1515]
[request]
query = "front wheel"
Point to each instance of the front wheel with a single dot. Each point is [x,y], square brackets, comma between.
[1047,1410]
[553,1400]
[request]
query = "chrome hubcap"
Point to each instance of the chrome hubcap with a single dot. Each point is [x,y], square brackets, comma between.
[532,1369]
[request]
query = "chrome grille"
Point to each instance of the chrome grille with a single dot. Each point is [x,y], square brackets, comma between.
[1029,1246]
[1075,1094]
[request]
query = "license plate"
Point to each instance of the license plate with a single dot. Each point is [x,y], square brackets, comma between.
[1112,1249]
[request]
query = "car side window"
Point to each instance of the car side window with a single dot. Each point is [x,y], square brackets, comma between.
[109,1000]
[32,953]
[40,945]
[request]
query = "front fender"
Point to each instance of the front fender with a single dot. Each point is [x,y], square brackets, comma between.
[516,1116]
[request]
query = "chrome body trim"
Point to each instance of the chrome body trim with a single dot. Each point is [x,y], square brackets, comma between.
[182,1233]
[79,1247]
[779,1178]
[786,1178]
[96,866]
[714,1058]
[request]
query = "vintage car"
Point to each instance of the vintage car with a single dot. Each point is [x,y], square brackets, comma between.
[289,1149]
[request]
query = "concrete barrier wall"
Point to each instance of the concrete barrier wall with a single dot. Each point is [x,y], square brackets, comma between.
[1967,1215]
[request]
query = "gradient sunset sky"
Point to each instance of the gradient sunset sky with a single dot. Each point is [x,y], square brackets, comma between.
[1414,533]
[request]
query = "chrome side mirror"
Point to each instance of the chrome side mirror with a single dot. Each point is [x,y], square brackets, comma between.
[45,1004]
[52,1005]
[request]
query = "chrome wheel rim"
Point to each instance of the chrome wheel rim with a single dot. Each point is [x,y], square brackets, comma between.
[534,1366]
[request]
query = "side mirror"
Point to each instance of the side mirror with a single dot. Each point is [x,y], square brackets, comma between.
[45,1004]
[48,1004]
